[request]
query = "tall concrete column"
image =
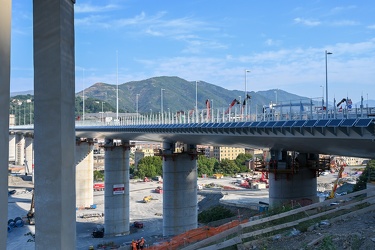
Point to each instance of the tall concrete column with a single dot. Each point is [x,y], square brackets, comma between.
[20,149]
[180,202]
[84,173]
[286,187]
[5,17]
[54,86]
[12,147]
[29,153]
[116,194]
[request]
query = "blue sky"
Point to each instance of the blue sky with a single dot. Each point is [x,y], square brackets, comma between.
[282,43]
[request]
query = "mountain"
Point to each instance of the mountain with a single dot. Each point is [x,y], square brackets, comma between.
[178,94]
[27,92]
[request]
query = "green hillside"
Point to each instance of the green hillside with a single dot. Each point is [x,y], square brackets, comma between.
[179,94]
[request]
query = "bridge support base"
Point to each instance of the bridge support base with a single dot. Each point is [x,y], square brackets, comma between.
[84,159]
[116,194]
[297,188]
[12,148]
[29,154]
[20,149]
[54,74]
[5,26]
[180,209]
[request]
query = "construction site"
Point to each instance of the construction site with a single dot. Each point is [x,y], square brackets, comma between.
[246,195]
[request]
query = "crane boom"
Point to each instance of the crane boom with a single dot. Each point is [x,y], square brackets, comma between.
[342,165]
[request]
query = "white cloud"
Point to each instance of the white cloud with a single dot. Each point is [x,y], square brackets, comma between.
[298,70]
[306,22]
[271,42]
[88,8]
[341,9]
[371,27]
[345,23]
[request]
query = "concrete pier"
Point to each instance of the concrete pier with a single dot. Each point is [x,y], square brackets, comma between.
[286,186]
[29,153]
[20,149]
[12,147]
[116,194]
[180,203]
[5,25]
[54,86]
[84,173]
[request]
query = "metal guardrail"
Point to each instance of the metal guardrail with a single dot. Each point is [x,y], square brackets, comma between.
[222,116]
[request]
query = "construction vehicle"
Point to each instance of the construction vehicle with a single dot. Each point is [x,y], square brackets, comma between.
[264,178]
[218,176]
[30,213]
[159,190]
[342,165]
[138,224]
[147,199]
[235,101]
[98,232]
[146,179]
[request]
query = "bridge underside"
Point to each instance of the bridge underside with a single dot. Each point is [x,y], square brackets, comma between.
[357,140]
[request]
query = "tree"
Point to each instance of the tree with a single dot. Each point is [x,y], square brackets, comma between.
[367,175]
[227,167]
[150,166]
[241,161]
[98,175]
[206,165]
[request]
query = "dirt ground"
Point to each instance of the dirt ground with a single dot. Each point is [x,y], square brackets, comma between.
[356,233]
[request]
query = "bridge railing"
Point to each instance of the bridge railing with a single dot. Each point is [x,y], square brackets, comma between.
[276,113]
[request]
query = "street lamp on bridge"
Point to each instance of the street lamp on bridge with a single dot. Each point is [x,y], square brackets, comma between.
[196,100]
[327,53]
[161,102]
[246,71]
[322,96]
[102,112]
[136,106]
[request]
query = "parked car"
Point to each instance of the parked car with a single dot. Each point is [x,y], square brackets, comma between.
[138,224]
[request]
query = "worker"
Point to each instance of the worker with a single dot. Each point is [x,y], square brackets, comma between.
[134,245]
[141,243]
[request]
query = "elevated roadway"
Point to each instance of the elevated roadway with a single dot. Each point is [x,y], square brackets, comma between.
[345,136]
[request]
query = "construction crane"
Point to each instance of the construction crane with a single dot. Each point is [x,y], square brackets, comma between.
[342,165]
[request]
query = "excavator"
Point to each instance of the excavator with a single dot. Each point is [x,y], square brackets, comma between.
[342,165]
[30,213]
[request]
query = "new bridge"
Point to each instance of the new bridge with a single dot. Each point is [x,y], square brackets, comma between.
[63,150]
[294,140]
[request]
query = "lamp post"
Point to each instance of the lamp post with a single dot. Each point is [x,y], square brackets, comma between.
[24,114]
[137,104]
[116,85]
[19,112]
[241,111]
[327,53]
[322,96]
[276,96]
[102,112]
[246,71]
[29,101]
[161,103]
[196,101]
[83,94]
